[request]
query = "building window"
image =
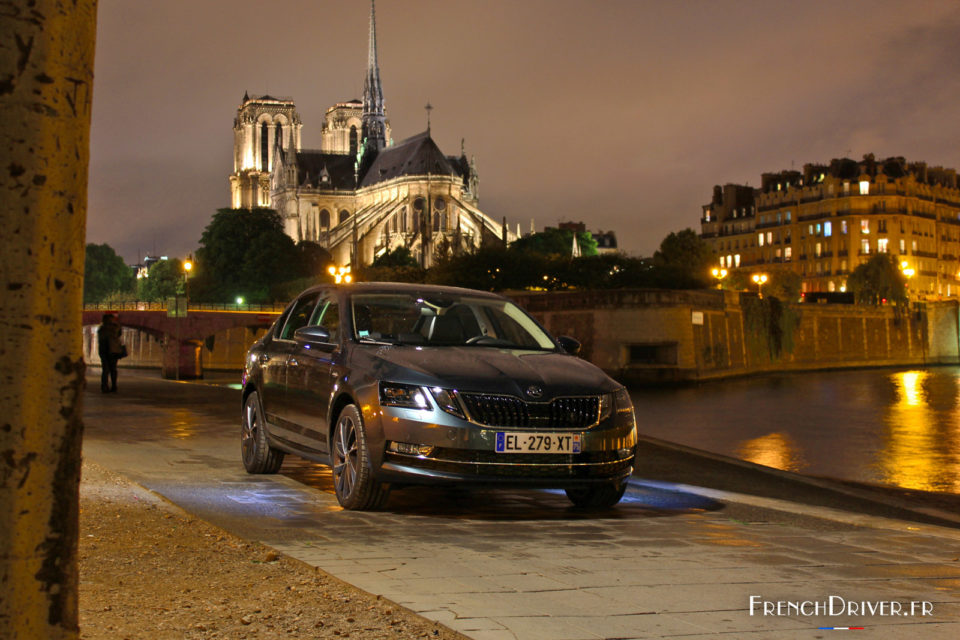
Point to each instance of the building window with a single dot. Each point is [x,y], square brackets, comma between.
[736,260]
[864,226]
[818,250]
[827,229]
[354,141]
[831,286]
[913,246]
[865,247]
[769,237]
[729,261]
[324,219]
[344,214]
[264,146]
[864,187]
[846,188]
[787,253]
[760,239]
[882,245]
[843,265]
[786,216]
[903,245]
[843,227]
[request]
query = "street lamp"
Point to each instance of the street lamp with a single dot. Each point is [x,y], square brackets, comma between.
[760,279]
[908,272]
[719,274]
[340,274]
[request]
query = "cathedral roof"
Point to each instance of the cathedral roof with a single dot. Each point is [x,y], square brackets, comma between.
[416,156]
[314,165]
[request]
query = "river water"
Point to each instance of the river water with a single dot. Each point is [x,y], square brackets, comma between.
[879,426]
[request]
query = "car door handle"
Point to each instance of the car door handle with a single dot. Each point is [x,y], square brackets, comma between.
[263,358]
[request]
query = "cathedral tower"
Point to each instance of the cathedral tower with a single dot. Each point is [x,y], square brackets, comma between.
[374,116]
[262,125]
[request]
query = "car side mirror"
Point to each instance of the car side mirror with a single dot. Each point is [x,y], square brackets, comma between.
[570,345]
[312,335]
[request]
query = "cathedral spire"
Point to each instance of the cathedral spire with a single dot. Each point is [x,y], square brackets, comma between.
[374,118]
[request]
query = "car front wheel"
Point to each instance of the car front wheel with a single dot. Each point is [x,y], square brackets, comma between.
[257,455]
[601,496]
[353,480]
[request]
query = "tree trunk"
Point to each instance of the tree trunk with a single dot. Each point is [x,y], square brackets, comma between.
[46,75]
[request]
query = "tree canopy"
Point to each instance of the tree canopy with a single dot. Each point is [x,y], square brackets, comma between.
[244,253]
[164,279]
[685,259]
[105,273]
[878,279]
[557,242]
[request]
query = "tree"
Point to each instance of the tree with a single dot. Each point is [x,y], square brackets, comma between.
[244,253]
[105,273]
[47,82]
[165,279]
[313,259]
[684,260]
[399,257]
[555,242]
[878,279]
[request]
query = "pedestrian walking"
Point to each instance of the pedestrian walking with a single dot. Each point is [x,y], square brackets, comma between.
[110,349]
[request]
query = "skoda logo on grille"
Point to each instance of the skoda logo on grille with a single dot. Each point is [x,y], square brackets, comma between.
[534,391]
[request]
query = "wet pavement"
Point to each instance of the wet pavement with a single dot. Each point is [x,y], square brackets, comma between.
[669,561]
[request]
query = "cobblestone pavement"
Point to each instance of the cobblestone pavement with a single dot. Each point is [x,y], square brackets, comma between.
[666,563]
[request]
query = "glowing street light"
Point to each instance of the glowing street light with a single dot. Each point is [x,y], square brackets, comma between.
[760,279]
[340,274]
[719,274]
[239,300]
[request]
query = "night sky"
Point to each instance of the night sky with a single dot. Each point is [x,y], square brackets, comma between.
[621,114]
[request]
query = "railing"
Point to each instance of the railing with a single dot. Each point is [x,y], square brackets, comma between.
[141,305]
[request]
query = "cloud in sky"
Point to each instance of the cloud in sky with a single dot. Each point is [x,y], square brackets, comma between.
[622,114]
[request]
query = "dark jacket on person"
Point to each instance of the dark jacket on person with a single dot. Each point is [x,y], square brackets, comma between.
[108,338]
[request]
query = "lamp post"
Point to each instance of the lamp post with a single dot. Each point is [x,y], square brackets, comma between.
[181,289]
[760,279]
[719,274]
[340,274]
[908,272]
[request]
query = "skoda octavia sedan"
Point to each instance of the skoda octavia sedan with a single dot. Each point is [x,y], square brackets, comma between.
[399,384]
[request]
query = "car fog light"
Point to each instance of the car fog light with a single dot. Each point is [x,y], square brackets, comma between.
[410,449]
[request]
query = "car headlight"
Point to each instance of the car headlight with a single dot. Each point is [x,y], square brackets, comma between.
[447,400]
[402,395]
[618,401]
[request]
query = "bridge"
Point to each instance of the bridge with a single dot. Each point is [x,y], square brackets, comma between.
[182,328]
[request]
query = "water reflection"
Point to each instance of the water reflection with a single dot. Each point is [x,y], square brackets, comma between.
[921,434]
[181,424]
[877,425]
[777,450]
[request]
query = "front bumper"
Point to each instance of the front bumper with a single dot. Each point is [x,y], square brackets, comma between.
[456,450]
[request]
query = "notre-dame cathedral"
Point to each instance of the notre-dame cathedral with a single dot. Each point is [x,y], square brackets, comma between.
[360,194]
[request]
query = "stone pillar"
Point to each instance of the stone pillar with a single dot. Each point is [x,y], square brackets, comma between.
[182,359]
[46,76]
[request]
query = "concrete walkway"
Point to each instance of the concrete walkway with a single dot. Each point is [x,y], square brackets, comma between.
[668,562]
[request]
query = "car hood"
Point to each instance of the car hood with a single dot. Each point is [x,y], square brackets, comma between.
[490,370]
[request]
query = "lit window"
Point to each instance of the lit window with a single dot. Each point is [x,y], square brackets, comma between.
[778,186]
[778,254]
[846,188]
[786,216]
[818,250]
[903,245]
[769,237]
[843,227]
[760,239]
[787,253]
[827,229]
[810,229]
[722,261]
[913,246]
[729,261]
[706,216]
[864,187]
[818,228]
[864,226]
[831,286]
[736,260]
[843,265]
[865,247]
[881,245]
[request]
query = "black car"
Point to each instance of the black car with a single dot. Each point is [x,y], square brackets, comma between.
[399,384]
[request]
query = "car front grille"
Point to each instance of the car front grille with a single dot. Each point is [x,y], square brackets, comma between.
[510,411]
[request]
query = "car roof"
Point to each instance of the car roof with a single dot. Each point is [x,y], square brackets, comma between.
[403,287]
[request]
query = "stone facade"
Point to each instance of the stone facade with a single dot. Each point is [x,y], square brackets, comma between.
[359,195]
[824,221]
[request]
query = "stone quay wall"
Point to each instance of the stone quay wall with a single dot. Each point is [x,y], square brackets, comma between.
[643,336]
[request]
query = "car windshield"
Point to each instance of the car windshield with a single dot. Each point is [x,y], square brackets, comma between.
[445,320]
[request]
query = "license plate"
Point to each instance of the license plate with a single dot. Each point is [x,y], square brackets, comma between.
[519,442]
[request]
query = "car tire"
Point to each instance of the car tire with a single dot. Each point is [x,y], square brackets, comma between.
[255,451]
[353,480]
[601,496]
